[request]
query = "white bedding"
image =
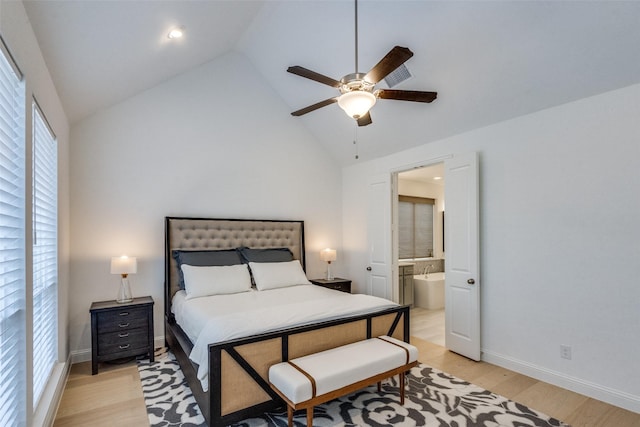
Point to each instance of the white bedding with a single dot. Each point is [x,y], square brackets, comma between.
[218,318]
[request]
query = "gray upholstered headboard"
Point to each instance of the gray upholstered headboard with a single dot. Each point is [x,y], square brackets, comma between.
[205,233]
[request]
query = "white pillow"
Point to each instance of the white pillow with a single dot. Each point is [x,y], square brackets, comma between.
[201,281]
[272,275]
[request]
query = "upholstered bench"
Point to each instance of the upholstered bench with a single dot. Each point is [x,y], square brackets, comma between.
[318,378]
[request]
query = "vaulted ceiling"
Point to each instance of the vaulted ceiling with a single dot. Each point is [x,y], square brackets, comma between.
[489,61]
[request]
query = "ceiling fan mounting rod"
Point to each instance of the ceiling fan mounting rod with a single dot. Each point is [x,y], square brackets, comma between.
[356,26]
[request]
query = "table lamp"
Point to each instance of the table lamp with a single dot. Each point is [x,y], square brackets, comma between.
[124,266]
[328,255]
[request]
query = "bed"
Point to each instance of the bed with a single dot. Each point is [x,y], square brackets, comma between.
[236,361]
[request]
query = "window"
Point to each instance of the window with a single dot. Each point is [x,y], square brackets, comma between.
[45,253]
[12,244]
[415,227]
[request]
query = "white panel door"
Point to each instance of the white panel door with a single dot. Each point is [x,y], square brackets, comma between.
[379,280]
[462,284]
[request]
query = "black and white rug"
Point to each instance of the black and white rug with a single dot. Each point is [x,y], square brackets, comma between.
[433,398]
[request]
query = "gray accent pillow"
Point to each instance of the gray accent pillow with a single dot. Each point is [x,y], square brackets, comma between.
[266,255]
[204,258]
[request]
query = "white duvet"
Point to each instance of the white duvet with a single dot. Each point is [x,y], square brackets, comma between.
[213,319]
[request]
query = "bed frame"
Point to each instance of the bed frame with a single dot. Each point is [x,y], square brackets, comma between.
[238,369]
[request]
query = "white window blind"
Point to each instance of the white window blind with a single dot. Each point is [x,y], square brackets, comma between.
[12,245]
[45,253]
[415,227]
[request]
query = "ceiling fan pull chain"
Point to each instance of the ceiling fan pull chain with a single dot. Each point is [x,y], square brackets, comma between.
[355,141]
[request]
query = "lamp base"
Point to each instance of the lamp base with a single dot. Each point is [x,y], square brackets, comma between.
[329,273]
[124,295]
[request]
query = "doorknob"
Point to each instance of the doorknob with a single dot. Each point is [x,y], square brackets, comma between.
[471,281]
[368,268]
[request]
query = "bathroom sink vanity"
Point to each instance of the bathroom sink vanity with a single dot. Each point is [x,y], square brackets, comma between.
[405,281]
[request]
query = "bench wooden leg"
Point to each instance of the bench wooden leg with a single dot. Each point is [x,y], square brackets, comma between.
[379,386]
[289,416]
[402,388]
[310,416]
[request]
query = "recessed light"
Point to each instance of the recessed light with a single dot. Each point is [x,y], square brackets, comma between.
[437,178]
[176,33]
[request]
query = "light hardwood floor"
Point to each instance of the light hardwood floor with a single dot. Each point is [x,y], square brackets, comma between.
[428,325]
[114,396]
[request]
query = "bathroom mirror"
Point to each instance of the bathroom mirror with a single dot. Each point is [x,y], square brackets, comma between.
[442,231]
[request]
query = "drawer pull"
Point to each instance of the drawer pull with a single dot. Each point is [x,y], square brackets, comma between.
[124,335]
[124,313]
[124,347]
[123,325]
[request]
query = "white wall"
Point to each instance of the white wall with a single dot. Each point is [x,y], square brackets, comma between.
[192,146]
[560,240]
[21,41]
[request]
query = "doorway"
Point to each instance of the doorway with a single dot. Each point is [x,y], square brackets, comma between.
[419,246]
[462,284]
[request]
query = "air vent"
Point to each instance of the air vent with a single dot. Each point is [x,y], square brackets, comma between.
[397,76]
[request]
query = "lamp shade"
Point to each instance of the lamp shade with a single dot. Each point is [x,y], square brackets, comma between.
[328,255]
[124,265]
[356,103]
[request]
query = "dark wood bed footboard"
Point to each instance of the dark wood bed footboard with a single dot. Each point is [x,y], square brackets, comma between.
[238,369]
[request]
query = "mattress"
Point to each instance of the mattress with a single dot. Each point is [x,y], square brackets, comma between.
[213,319]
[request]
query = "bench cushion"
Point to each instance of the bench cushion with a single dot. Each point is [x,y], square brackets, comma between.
[339,367]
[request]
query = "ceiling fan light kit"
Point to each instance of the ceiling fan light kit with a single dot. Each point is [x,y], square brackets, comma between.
[357,103]
[357,97]
[357,90]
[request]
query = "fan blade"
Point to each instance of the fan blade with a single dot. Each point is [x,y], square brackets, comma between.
[303,72]
[392,60]
[365,120]
[407,95]
[315,106]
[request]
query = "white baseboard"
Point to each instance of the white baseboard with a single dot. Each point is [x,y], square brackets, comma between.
[84,355]
[595,391]
[78,356]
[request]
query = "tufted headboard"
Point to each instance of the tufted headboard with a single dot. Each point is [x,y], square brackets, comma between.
[214,234]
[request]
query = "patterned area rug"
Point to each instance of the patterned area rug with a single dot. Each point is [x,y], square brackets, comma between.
[433,398]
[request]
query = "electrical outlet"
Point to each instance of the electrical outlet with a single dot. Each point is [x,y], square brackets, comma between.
[565,352]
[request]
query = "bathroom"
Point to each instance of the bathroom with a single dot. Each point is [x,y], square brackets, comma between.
[421,249]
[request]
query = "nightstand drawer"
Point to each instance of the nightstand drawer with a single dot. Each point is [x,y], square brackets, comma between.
[125,318]
[337,284]
[115,342]
[344,287]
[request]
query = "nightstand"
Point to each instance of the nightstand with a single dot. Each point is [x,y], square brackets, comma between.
[121,330]
[338,284]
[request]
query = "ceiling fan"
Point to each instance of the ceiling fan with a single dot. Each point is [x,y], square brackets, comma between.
[357,90]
